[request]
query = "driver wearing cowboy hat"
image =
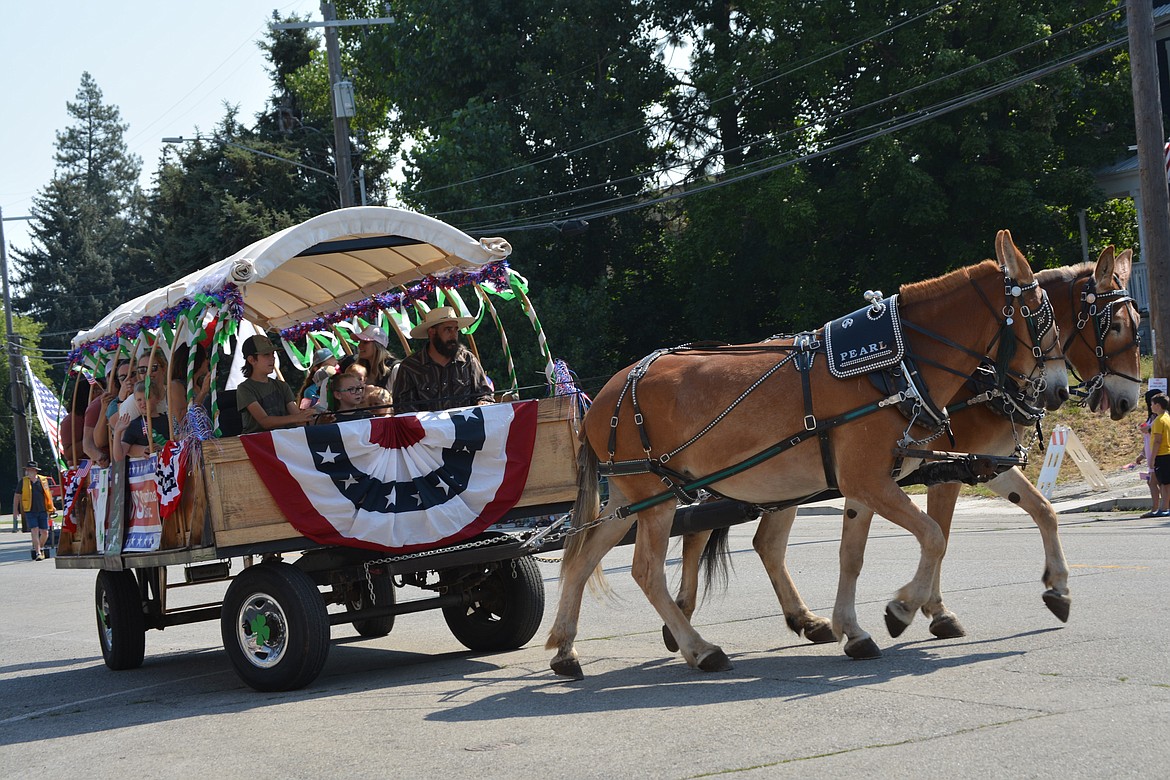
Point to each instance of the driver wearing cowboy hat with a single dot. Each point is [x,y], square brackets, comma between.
[443,374]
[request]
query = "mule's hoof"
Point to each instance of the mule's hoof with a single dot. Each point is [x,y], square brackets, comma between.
[820,634]
[715,661]
[568,667]
[668,640]
[897,623]
[863,649]
[1057,604]
[947,627]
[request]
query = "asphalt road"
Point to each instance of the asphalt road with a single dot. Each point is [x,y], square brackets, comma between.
[1021,696]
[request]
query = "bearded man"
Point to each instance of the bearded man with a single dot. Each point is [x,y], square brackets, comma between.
[443,374]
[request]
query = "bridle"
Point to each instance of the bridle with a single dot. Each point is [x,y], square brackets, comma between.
[1015,388]
[1098,308]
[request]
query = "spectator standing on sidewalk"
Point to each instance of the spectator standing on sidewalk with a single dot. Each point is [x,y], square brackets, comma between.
[1145,456]
[34,502]
[1160,450]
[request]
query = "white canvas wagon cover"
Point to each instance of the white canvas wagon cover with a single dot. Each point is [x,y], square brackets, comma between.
[320,265]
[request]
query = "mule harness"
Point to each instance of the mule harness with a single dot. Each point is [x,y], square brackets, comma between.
[907,391]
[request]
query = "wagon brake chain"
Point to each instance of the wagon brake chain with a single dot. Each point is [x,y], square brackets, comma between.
[423,554]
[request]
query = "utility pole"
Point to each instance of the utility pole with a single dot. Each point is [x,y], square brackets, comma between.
[1155,216]
[15,376]
[340,117]
[340,92]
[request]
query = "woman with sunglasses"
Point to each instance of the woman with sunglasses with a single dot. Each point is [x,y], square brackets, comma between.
[95,438]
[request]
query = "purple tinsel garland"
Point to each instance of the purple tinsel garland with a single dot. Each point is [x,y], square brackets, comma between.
[228,297]
[494,273]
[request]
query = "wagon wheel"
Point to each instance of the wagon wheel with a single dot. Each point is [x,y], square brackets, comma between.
[359,599]
[275,627]
[505,610]
[120,621]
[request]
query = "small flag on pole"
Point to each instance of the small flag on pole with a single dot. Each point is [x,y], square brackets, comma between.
[49,410]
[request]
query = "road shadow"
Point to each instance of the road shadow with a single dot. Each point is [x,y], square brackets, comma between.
[779,674]
[89,698]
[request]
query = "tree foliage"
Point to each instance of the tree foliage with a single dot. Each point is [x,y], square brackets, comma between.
[539,121]
[29,333]
[77,268]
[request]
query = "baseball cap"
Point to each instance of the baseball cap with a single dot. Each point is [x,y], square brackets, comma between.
[375,334]
[258,345]
[321,355]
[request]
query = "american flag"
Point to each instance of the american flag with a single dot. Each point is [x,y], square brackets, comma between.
[49,410]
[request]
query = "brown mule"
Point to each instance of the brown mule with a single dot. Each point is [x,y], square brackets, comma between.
[693,405]
[1098,324]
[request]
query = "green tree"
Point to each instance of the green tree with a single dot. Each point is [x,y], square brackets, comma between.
[551,98]
[77,268]
[769,83]
[29,332]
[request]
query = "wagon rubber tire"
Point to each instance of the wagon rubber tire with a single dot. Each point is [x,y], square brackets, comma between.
[275,627]
[374,628]
[121,623]
[505,611]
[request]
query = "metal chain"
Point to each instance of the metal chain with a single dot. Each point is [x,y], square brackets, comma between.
[423,554]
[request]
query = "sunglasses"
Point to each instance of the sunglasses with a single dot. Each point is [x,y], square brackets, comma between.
[140,370]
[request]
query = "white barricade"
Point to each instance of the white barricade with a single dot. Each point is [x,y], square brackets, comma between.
[1063,440]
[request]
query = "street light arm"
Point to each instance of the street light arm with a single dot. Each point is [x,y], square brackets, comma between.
[181,140]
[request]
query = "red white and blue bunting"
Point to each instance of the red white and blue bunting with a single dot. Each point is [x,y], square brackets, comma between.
[403,483]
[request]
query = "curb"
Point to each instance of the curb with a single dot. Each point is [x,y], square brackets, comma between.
[1110,504]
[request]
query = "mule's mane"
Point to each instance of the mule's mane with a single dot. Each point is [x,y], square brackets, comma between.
[1066,273]
[931,288]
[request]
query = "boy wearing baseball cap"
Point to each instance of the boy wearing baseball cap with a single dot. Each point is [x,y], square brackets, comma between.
[265,403]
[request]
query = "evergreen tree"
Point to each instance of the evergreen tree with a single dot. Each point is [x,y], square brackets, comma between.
[77,268]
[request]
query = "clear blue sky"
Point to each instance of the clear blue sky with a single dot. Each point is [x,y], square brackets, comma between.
[168,66]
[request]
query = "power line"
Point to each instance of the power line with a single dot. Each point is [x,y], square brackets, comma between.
[800,65]
[892,126]
[661,170]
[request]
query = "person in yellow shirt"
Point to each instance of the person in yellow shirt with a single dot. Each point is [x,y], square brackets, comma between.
[35,502]
[1160,449]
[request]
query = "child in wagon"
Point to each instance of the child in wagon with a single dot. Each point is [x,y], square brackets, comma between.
[346,392]
[266,403]
[130,435]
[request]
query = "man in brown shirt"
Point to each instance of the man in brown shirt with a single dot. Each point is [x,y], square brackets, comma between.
[443,374]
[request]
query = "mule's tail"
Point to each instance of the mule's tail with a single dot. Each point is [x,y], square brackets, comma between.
[716,560]
[586,510]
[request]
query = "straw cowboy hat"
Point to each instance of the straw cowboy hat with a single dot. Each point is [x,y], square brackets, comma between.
[436,317]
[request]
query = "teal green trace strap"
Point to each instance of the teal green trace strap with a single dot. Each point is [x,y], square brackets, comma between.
[754,460]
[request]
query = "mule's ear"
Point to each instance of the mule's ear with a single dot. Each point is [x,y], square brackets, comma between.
[1011,258]
[1123,267]
[1103,270]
